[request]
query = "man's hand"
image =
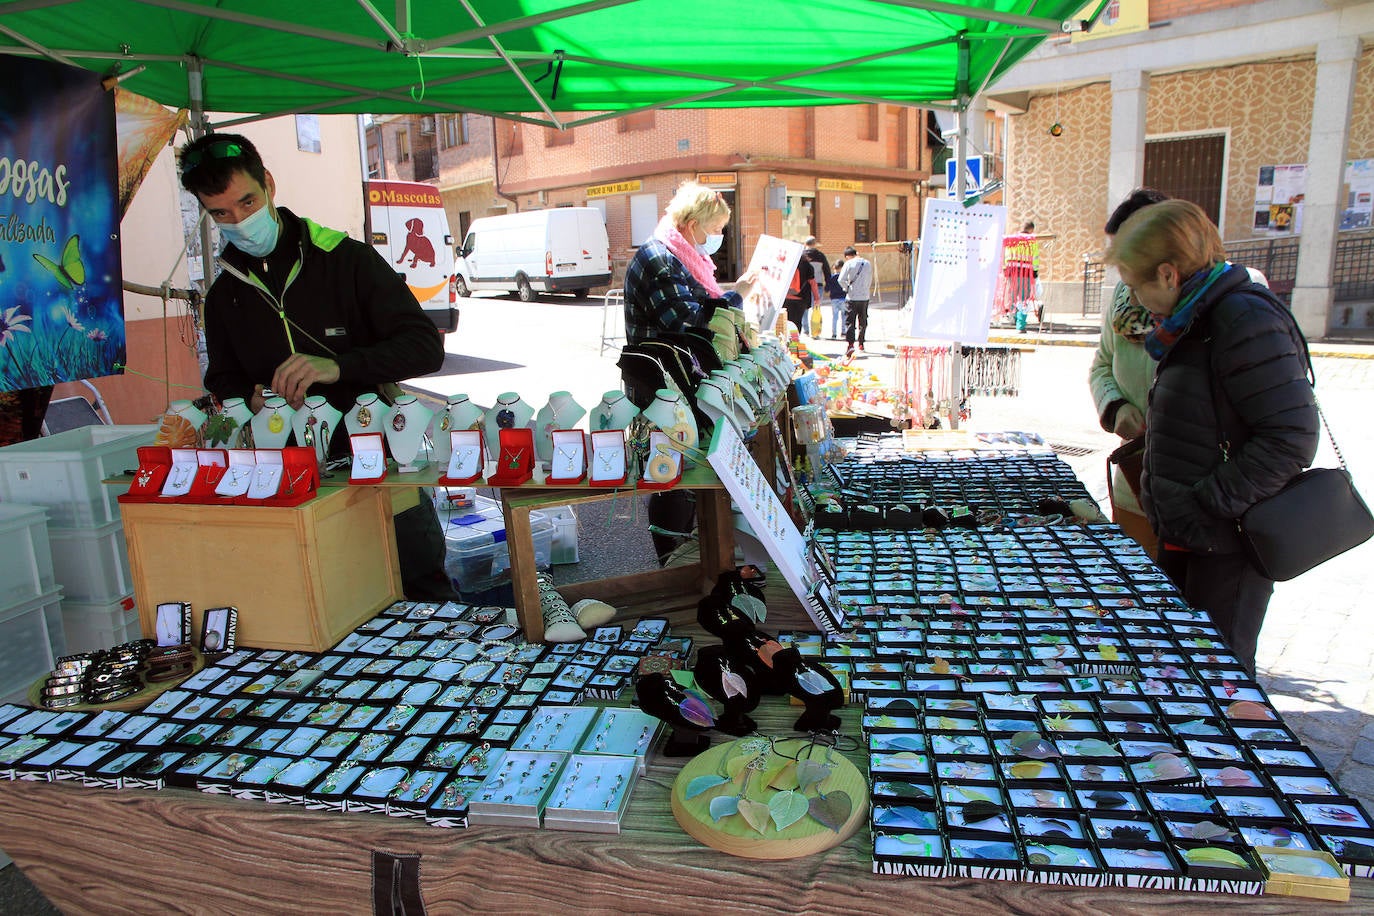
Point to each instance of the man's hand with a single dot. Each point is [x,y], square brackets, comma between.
[1130,422]
[295,376]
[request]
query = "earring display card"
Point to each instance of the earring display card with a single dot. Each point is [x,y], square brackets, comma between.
[267,475]
[182,474]
[592,794]
[518,790]
[239,475]
[625,732]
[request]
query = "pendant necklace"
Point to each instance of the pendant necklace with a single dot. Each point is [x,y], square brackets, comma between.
[276,423]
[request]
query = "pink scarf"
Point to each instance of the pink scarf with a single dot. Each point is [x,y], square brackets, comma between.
[702,268]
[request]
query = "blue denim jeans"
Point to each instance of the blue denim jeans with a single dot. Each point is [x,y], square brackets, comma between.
[836,317]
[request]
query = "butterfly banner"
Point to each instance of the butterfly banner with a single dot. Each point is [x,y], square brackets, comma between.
[61,300]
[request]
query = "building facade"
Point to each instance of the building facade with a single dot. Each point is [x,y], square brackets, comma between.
[854,174]
[1260,111]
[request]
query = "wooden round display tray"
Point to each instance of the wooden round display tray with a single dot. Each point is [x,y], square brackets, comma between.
[131,703]
[733,834]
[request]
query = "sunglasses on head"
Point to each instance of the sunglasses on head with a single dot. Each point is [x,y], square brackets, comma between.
[220,149]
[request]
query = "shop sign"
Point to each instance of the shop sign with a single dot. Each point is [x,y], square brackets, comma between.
[718,179]
[618,187]
[838,184]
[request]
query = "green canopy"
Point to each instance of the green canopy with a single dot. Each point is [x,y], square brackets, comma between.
[536,59]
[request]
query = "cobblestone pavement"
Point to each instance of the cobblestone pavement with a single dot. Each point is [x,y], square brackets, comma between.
[1316,652]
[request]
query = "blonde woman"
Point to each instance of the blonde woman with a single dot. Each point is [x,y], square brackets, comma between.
[1231,417]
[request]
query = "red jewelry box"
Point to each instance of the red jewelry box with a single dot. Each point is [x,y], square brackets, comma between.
[569,445]
[300,477]
[463,439]
[608,465]
[369,458]
[514,458]
[211,464]
[154,464]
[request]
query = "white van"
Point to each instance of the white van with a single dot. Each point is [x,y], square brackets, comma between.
[560,250]
[408,226]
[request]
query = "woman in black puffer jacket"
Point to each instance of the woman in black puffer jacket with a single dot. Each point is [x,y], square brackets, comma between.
[1231,416]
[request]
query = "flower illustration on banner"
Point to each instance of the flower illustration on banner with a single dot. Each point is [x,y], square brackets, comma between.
[97,335]
[12,323]
[72,321]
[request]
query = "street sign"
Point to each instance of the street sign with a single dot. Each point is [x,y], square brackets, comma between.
[973,176]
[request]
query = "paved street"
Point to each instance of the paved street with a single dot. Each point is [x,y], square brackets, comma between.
[1316,654]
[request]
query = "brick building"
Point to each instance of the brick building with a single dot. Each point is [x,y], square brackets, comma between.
[853,174]
[1215,101]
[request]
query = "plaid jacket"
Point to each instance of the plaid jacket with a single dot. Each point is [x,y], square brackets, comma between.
[662,296]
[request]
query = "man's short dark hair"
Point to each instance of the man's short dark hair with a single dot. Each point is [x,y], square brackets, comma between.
[810,241]
[849,252]
[1140,197]
[208,164]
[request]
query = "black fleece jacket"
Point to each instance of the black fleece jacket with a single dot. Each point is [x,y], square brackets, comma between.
[1241,362]
[339,295]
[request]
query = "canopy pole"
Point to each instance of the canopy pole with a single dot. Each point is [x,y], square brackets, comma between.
[961,87]
[195,77]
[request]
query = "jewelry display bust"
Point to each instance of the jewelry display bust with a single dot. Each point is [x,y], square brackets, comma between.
[670,414]
[272,425]
[368,414]
[405,430]
[613,411]
[458,413]
[238,410]
[562,412]
[315,424]
[509,412]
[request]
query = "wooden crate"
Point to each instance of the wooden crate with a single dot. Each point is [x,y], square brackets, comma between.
[301,577]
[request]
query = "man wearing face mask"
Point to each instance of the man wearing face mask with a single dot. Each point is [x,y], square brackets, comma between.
[303,309]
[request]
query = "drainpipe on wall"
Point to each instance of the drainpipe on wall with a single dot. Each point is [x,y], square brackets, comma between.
[496,169]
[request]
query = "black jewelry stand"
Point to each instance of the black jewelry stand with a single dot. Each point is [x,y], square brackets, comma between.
[819,714]
[718,618]
[712,661]
[658,695]
[749,650]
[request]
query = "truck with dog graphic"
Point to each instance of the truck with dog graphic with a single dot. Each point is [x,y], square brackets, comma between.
[407,225]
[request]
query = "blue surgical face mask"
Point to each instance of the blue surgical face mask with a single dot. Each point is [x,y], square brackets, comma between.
[254,235]
[711,245]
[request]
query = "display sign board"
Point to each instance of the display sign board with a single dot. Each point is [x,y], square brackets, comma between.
[619,187]
[838,184]
[956,278]
[774,261]
[61,296]
[802,562]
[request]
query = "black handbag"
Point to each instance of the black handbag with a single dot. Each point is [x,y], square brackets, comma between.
[1316,516]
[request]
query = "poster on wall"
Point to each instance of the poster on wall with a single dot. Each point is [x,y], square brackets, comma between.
[61,301]
[1279,194]
[956,277]
[1358,212]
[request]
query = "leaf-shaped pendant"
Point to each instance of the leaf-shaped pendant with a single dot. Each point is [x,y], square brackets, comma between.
[695,710]
[724,806]
[811,773]
[731,684]
[785,778]
[704,784]
[939,666]
[832,810]
[786,808]
[755,814]
[811,680]
[750,607]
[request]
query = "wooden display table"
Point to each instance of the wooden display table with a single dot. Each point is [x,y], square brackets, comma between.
[302,577]
[715,536]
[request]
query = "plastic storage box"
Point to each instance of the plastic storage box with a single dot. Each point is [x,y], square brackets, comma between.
[64,472]
[99,626]
[91,564]
[26,569]
[476,556]
[26,652]
[564,534]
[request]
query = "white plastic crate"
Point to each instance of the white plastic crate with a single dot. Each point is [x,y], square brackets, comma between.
[63,473]
[89,627]
[91,564]
[476,555]
[25,651]
[26,569]
[564,535]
